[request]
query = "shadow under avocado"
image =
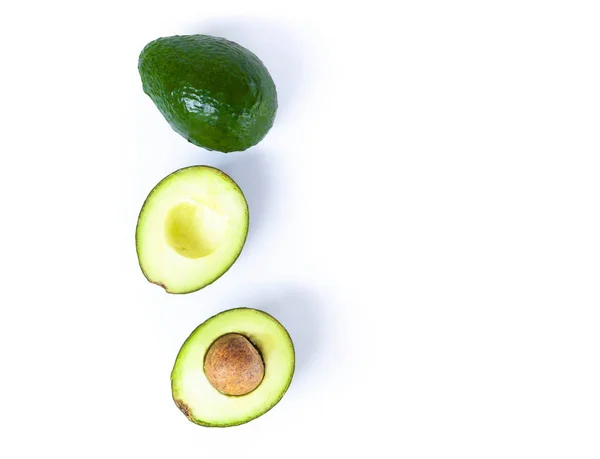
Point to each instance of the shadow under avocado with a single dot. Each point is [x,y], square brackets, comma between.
[297,308]
[253,174]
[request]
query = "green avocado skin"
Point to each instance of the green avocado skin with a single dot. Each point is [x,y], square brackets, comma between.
[215,93]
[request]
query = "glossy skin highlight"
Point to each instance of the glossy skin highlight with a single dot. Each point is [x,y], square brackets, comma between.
[215,93]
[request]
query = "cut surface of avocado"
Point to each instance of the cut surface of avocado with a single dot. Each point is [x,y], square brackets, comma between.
[191,229]
[192,390]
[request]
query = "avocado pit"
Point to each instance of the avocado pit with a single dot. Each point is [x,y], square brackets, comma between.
[233,366]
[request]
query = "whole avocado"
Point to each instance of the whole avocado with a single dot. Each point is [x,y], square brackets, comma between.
[215,93]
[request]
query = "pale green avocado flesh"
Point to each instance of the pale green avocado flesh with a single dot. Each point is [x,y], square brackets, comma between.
[191,229]
[200,401]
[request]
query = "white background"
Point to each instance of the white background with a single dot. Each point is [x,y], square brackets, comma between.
[425,221]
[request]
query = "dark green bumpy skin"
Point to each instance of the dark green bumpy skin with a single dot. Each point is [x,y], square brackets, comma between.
[215,93]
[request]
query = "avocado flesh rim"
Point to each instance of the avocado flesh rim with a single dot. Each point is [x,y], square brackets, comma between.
[200,401]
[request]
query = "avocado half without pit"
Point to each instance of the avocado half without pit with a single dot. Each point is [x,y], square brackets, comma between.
[191,229]
[233,368]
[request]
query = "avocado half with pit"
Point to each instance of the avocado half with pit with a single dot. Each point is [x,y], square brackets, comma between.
[191,229]
[233,368]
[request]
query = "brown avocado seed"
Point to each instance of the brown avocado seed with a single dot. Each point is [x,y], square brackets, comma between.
[233,365]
